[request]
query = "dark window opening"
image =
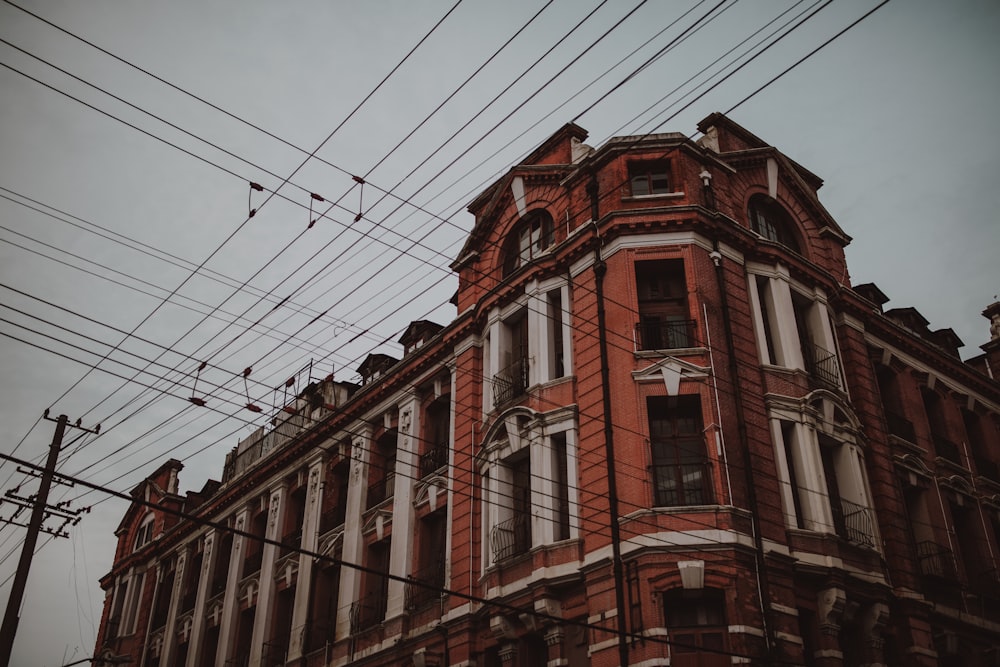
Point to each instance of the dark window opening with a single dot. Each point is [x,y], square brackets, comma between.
[696,622]
[680,466]
[530,238]
[664,319]
[771,221]
[561,484]
[382,473]
[649,178]
[430,568]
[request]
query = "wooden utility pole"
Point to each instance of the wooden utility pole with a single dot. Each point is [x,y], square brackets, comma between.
[12,617]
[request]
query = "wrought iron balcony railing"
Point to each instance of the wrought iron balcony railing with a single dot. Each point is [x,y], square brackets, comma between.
[822,365]
[510,538]
[381,490]
[859,525]
[366,614]
[433,460]
[510,382]
[253,561]
[433,576]
[332,518]
[669,335]
[936,561]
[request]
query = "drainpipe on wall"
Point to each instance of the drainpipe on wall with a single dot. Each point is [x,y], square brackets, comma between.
[600,268]
[762,587]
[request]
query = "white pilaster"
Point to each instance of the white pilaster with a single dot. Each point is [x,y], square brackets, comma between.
[538,338]
[813,496]
[170,630]
[781,315]
[310,537]
[784,479]
[542,488]
[407,463]
[357,490]
[204,581]
[264,614]
[230,605]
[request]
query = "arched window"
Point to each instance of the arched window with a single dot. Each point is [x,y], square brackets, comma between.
[531,237]
[770,220]
[144,535]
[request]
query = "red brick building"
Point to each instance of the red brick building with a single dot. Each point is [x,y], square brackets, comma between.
[663,425]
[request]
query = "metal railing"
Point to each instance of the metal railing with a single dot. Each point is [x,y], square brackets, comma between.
[332,518]
[900,426]
[366,614]
[433,460]
[510,538]
[510,382]
[291,541]
[677,485]
[381,490]
[822,365]
[665,335]
[252,562]
[433,575]
[859,525]
[936,561]
[946,449]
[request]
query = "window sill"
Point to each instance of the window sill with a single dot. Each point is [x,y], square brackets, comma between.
[670,352]
[665,196]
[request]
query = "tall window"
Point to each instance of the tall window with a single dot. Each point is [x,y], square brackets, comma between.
[664,320]
[649,178]
[511,379]
[144,535]
[696,621]
[680,467]
[772,222]
[531,237]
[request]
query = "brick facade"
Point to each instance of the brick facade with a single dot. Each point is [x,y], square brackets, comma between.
[801,477]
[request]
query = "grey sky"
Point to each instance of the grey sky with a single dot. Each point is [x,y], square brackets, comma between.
[896,116]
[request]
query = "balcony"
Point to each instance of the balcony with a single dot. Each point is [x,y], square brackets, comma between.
[858,524]
[291,542]
[936,561]
[900,426]
[433,460]
[946,449]
[433,576]
[510,383]
[253,561]
[669,335]
[366,614]
[510,538]
[822,366]
[332,518]
[381,490]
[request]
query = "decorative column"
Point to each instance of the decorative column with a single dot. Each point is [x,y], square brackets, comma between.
[204,582]
[263,616]
[310,537]
[230,605]
[170,630]
[407,470]
[353,549]
[543,492]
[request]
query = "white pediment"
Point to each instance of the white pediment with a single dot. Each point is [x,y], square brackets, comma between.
[670,371]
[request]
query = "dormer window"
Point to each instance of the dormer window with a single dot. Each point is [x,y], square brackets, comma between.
[650,177]
[531,237]
[772,222]
[144,535]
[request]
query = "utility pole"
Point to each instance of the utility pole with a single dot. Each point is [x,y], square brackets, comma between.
[38,513]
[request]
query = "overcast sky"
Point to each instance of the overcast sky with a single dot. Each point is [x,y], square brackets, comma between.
[896,116]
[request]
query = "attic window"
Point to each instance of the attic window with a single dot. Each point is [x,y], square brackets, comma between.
[649,178]
[530,238]
[144,535]
[772,222]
